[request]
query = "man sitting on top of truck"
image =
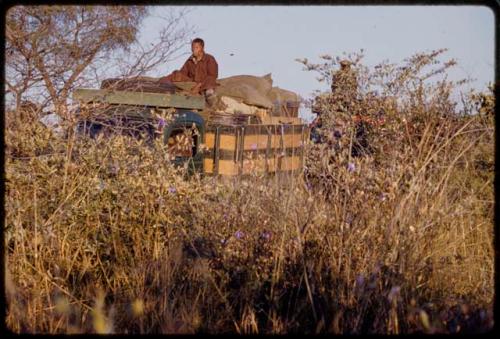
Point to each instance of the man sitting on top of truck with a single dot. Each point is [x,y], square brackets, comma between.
[201,68]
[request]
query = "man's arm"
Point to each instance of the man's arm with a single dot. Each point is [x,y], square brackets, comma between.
[185,69]
[178,75]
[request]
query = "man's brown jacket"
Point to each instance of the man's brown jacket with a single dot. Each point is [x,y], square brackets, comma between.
[204,71]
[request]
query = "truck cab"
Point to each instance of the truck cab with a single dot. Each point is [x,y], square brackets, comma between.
[134,114]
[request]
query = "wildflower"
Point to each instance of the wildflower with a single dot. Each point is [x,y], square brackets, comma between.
[138,307]
[239,234]
[424,318]
[309,186]
[161,123]
[351,167]
[254,146]
[360,280]
[482,314]
[349,220]
[394,292]
[266,235]
[101,185]
[114,169]
[172,190]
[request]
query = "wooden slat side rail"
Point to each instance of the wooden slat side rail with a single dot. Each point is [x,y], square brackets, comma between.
[256,141]
[250,149]
[139,98]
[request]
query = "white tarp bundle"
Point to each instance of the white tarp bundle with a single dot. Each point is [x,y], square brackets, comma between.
[248,93]
[234,106]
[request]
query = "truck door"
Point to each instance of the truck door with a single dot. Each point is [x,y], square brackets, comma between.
[183,137]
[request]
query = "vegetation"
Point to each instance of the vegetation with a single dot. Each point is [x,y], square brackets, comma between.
[50,50]
[107,236]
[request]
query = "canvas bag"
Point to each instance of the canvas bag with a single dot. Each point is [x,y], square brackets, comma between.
[251,90]
[285,102]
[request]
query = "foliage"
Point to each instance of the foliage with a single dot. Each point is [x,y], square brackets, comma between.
[106,235]
[50,50]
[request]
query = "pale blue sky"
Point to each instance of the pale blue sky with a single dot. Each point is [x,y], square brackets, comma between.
[268,39]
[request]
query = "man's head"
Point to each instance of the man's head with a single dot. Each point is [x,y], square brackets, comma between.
[197,47]
[345,64]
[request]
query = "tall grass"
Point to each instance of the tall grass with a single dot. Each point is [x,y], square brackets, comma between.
[106,236]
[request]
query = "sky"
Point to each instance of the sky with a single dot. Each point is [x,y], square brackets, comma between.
[257,40]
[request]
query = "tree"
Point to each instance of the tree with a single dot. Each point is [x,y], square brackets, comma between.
[52,49]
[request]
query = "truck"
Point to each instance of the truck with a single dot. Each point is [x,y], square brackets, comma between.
[211,142]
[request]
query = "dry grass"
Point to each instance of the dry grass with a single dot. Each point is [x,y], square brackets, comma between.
[107,236]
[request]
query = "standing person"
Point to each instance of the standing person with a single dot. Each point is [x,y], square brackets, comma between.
[201,68]
[344,81]
[345,92]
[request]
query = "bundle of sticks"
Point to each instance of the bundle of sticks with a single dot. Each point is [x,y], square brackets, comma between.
[139,84]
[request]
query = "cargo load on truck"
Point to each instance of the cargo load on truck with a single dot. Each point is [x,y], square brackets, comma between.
[244,94]
[248,94]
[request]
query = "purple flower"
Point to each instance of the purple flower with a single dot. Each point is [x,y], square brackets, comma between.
[102,185]
[309,186]
[114,169]
[266,235]
[239,234]
[254,146]
[349,220]
[482,314]
[172,189]
[161,123]
[394,293]
[351,167]
[360,280]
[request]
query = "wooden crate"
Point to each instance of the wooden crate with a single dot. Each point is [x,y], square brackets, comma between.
[268,148]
